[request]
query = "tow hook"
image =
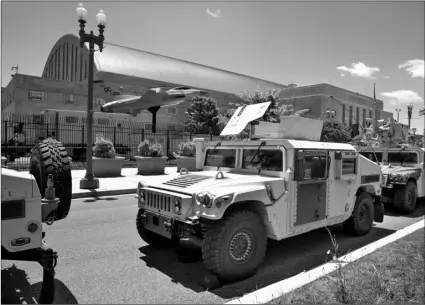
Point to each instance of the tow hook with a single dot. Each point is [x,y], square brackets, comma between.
[144,218]
[168,224]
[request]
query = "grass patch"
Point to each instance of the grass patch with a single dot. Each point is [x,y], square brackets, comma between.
[393,274]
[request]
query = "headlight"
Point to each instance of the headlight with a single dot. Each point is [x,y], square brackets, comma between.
[177,206]
[142,196]
[205,198]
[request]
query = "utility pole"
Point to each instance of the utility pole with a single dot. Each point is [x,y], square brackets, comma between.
[398,114]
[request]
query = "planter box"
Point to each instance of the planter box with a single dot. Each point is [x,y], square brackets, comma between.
[188,163]
[150,165]
[107,167]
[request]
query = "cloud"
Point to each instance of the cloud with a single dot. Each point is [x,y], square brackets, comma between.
[360,70]
[386,77]
[214,14]
[414,67]
[402,97]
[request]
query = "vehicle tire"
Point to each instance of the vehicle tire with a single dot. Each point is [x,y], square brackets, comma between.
[361,221]
[152,238]
[51,157]
[234,247]
[405,198]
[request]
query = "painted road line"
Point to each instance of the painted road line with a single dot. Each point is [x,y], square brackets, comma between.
[285,286]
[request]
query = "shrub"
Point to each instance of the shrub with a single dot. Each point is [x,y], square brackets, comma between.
[187,149]
[146,150]
[103,148]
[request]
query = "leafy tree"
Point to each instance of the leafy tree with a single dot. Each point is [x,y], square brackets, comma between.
[202,116]
[335,131]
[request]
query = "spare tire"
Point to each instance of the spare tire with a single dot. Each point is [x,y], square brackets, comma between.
[51,157]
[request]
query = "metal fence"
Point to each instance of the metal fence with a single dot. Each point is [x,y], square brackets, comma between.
[19,134]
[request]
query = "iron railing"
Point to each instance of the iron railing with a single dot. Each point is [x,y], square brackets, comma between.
[19,134]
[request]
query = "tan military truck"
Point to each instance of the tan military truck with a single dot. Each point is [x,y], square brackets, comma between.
[281,183]
[402,165]
[402,169]
[28,201]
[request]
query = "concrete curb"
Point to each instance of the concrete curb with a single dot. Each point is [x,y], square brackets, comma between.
[285,286]
[94,193]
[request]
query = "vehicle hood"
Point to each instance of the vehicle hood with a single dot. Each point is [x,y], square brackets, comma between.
[207,181]
[396,169]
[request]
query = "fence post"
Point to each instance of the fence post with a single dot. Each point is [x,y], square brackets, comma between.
[115,135]
[5,134]
[57,126]
[168,143]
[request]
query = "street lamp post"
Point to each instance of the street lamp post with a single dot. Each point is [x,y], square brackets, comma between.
[409,113]
[90,181]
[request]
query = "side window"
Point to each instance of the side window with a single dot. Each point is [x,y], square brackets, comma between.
[349,166]
[312,166]
[373,156]
[268,160]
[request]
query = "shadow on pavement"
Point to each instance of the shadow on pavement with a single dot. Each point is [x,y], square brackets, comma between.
[15,289]
[283,259]
[94,199]
[419,211]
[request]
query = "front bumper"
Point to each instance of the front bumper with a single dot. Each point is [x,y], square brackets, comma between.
[159,224]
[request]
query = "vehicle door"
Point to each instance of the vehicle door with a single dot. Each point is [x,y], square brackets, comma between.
[311,176]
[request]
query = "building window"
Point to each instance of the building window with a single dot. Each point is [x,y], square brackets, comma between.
[370,114]
[350,116]
[343,114]
[85,68]
[67,62]
[103,121]
[364,117]
[98,101]
[81,66]
[72,63]
[71,120]
[172,110]
[70,98]
[357,115]
[36,95]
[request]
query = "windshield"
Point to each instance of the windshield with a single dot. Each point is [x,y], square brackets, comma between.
[402,157]
[268,160]
[371,156]
[220,158]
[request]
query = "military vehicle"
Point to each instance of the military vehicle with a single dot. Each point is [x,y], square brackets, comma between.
[402,166]
[280,183]
[28,200]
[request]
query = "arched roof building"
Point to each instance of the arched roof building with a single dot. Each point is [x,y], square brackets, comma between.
[126,69]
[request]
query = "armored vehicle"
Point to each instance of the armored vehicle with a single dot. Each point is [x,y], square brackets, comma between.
[281,183]
[28,200]
[402,166]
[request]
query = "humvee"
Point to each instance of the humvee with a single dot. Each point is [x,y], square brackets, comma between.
[28,201]
[281,183]
[402,169]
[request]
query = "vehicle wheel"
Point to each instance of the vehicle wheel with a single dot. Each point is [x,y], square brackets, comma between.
[152,238]
[360,222]
[51,157]
[405,198]
[235,246]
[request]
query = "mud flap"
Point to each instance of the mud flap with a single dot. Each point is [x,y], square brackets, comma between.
[378,210]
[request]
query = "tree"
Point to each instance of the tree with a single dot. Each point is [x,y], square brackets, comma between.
[335,131]
[273,113]
[202,116]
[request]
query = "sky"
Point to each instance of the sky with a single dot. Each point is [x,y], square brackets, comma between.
[347,44]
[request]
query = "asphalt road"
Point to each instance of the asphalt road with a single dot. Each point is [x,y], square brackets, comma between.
[103,260]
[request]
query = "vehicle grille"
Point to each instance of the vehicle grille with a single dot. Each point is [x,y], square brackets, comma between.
[186,180]
[157,201]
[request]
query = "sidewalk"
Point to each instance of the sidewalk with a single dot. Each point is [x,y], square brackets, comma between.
[126,184]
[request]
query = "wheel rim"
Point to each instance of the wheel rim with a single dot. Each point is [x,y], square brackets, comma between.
[410,197]
[240,247]
[363,213]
